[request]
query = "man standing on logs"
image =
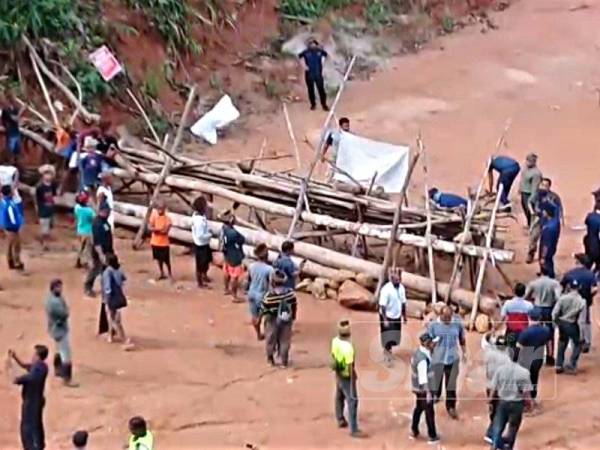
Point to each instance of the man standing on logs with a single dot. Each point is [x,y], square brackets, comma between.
[538,201]
[445,360]
[313,73]
[333,141]
[392,312]
[507,169]
[530,181]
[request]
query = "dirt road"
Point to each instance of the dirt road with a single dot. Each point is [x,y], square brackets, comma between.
[198,374]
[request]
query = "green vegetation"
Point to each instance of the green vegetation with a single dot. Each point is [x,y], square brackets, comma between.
[52,19]
[377,12]
[312,8]
[171,18]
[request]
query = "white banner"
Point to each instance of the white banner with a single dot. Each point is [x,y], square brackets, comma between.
[362,157]
[221,115]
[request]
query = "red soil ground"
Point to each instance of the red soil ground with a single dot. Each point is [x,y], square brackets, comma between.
[199,376]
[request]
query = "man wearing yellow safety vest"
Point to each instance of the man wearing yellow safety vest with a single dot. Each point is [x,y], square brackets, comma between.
[141,438]
[342,363]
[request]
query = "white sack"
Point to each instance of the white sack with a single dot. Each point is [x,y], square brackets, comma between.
[362,157]
[221,115]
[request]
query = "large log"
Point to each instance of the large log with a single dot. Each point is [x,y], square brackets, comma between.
[324,257]
[364,229]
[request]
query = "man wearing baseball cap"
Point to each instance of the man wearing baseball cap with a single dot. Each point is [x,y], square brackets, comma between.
[495,355]
[566,315]
[530,180]
[342,363]
[423,387]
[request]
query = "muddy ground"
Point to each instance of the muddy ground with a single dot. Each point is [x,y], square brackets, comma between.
[199,376]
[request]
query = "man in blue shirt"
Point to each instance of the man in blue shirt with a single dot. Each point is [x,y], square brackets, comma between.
[445,360]
[313,73]
[447,200]
[586,279]
[549,239]
[531,343]
[591,241]
[507,169]
[544,197]
[285,264]
[12,220]
[32,409]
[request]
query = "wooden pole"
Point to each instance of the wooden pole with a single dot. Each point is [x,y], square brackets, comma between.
[145,116]
[167,167]
[291,133]
[394,232]
[428,228]
[458,259]
[43,86]
[306,179]
[483,261]
[360,208]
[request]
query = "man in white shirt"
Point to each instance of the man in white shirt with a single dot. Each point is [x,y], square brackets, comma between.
[105,194]
[392,312]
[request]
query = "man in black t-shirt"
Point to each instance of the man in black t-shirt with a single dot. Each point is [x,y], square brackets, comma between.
[102,245]
[44,203]
[33,383]
[11,114]
[313,73]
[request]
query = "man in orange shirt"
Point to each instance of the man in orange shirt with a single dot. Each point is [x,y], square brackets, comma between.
[160,224]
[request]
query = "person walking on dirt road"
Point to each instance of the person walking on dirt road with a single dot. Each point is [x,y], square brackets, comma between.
[423,387]
[57,313]
[343,364]
[515,313]
[549,237]
[141,438]
[392,313]
[260,274]
[445,360]
[313,57]
[279,310]
[566,315]
[12,220]
[201,235]
[583,274]
[545,291]
[32,409]
[530,181]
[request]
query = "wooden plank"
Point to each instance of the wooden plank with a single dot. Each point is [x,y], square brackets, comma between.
[430,261]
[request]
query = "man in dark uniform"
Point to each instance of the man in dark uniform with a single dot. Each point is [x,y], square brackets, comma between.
[102,245]
[446,200]
[591,241]
[549,239]
[586,279]
[313,73]
[507,169]
[33,382]
[537,203]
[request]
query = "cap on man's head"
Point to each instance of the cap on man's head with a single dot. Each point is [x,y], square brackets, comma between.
[344,327]
[500,341]
[426,337]
[573,284]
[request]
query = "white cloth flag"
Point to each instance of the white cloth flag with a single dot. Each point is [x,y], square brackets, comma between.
[221,115]
[362,157]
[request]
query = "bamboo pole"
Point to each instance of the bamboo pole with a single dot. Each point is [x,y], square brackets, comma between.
[458,260]
[145,116]
[167,167]
[43,86]
[394,232]
[358,236]
[483,261]
[65,90]
[423,150]
[291,133]
[306,179]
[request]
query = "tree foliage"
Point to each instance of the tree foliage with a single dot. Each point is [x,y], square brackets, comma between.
[312,8]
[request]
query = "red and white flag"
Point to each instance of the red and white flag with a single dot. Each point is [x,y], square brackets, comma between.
[106,63]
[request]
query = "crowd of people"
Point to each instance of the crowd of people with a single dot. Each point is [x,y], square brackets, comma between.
[515,352]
